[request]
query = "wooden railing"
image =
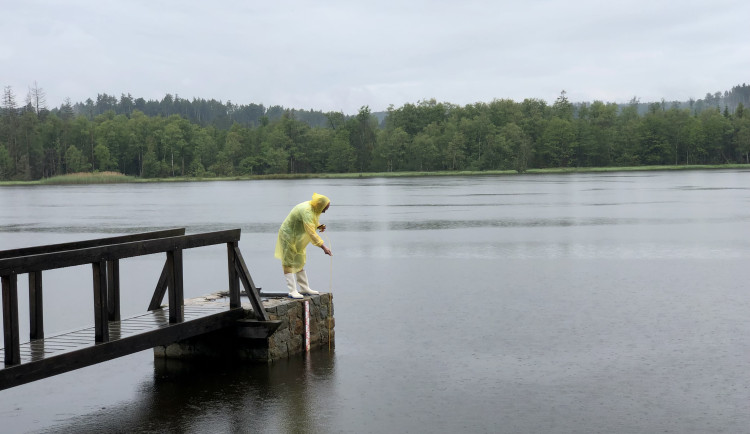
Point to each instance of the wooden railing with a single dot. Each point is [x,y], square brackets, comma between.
[104,255]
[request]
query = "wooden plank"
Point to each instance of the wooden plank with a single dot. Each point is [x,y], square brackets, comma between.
[80,338]
[234,278]
[191,310]
[10,319]
[36,306]
[51,248]
[142,323]
[85,334]
[139,320]
[250,289]
[55,348]
[50,261]
[174,277]
[160,291]
[20,374]
[64,339]
[101,325]
[113,290]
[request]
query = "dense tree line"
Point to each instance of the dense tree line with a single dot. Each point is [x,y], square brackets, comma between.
[176,137]
[199,111]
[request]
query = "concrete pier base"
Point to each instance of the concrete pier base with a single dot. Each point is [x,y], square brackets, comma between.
[249,341]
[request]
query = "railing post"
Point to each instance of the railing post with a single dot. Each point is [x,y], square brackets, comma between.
[234,278]
[10,319]
[113,290]
[101,325]
[36,306]
[174,278]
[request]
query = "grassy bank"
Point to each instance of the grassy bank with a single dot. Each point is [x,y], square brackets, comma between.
[78,178]
[451,173]
[115,177]
[88,178]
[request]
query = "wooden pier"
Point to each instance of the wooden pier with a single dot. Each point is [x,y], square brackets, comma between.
[112,336]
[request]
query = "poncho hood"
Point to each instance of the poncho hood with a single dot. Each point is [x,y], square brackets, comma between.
[319,202]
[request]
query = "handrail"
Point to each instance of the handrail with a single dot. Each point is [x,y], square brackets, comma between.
[36,307]
[69,258]
[104,260]
[51,248]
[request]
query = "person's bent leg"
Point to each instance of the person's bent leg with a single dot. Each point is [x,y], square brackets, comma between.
[304,284]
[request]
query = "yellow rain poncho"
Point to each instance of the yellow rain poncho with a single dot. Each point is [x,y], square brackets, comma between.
[297,231]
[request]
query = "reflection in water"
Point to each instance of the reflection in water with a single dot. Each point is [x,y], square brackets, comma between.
[210,396]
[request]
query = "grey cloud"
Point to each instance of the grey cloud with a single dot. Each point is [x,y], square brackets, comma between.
[339,55]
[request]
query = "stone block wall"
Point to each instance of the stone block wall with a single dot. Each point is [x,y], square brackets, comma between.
[287,340]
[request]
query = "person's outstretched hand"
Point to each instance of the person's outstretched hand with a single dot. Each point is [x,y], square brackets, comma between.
[326,250]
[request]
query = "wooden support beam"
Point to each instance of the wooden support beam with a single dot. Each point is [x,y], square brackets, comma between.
[101,325]
[113,290]
[174,277]
[36,306]
[250,289]
[10,319]
[160,291]
[234,278]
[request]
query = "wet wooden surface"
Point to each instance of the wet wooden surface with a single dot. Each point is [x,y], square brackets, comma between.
[65,352]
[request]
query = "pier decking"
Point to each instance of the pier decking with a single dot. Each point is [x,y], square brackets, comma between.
[41,358]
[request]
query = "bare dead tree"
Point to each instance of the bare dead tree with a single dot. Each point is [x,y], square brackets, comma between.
[37,98]
[9,126]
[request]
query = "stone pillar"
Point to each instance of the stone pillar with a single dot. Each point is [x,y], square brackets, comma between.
[242,343]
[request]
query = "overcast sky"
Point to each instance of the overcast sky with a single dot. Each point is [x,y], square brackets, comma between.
[341,55]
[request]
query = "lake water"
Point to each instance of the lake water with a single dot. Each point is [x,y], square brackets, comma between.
[614,302]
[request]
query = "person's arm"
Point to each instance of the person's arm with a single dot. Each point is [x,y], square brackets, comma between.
[309,225]
[326,250]
[312,233]
[316,240]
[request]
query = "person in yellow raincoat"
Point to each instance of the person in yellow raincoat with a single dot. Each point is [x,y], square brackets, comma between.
[297,231]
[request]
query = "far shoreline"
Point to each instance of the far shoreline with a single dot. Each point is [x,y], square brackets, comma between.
[118,178]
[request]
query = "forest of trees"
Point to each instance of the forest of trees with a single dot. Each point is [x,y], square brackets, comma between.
[177,137]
